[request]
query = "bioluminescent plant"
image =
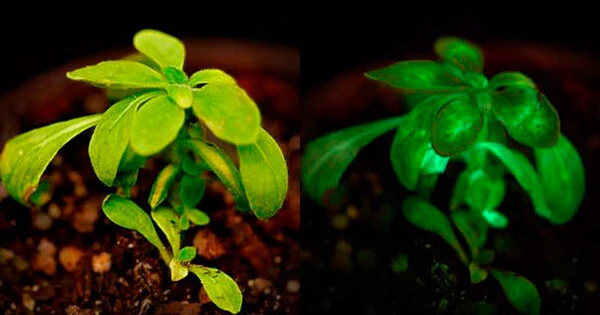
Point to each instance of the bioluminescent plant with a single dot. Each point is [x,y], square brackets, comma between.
[457,114]
[160,112]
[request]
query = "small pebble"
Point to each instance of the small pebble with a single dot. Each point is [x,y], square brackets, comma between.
[44,263]
[295,143]
[352,212]
[262,285]
[292,286]
[340,222]
[590,286]
[54,210]
[70,258]
[84,220]
[20,263]
[28,302]
[277,260]
[6,255]
[101,263]
[42,221]
[46,247]
[208,244]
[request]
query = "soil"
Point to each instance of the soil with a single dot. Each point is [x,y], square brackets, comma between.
[65,257]
[355,241]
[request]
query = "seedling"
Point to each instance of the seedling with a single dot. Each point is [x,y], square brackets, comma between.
[160,112]
[457,115]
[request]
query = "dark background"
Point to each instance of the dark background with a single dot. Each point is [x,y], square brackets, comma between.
[39,36]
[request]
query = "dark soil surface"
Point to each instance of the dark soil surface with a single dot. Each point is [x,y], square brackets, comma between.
[66,258]
[354,243]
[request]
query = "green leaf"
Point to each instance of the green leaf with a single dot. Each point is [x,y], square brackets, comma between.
[477,274]
[527,116]
[187,253]
[26,156]
[210,76]
[162,48]
[184,223]
[222,289]
[119,74]
[495,219]
[427,217]
[485,257]
[191,190]
[507,79]
[125,181]
[484,191]
[156,125]
[433,163]
[222,165]
[178,271]
[162,184]
[131,161]
[191,167]
[167,220]
[523,172]
[456,127]
[111,137]
[197,217]
[473,228]
[125,213]
[326,158]
[264,175]
[521,293]
[181,95]
[175,76]
[562,176]
[422,76]
[460,52]
[228,112]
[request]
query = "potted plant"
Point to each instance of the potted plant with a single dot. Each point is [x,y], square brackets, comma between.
[154,118]
[423,147]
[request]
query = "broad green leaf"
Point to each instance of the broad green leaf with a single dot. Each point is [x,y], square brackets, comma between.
[162,184]
[181,95]
[326,158]
[562,176]
[485,257]
[175,76]
[433,163]
[473,228]
[131,161]
[210,76]
[191,190]
[125,213]
[228,112]
[167,220]
[197,217]
[456,127]
[523,172]
[527,116]
[483,191]
[520,292]
[423,76]
[426,216]
[264,175]
[507,79]
[495,219]
[125,181]
[184,223]
[222,290]
[119,74]
[26,156]
[111,137]
[477,274]
[192,167]
[222,165]
[162,48]
[187,253]
[178,271]
[460,52]
[156,125]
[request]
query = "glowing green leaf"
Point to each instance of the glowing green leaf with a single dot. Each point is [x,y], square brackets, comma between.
[562,176]
[507,79]
[484,191]
[423,76]
[228,112]
[222,290]
[426,216]
[326,158]
[191,190]
[433,163]
[460,52]
[162,48]
[477,274]
[26,156]
[264,175]
[495,219]
[163,182]
[521,293]
[523,172]
[527,115]
[187,254]
[167,219]
[222,165]
[473,228]
[210,76]
[120,74]
[125,213]
[156,125]
[197,217]
[184,223]
[456,127]
[111,137]
[178,271]
[485,257]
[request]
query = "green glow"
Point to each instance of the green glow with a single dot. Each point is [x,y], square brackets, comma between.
[495,218]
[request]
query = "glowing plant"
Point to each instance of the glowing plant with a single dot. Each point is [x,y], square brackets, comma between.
[456,114]
[160,112]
